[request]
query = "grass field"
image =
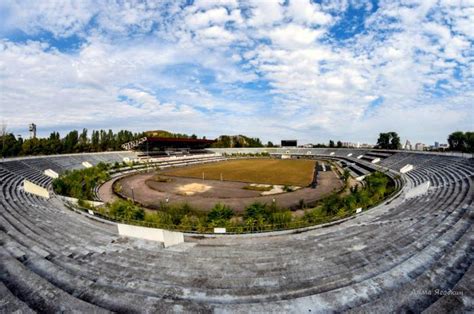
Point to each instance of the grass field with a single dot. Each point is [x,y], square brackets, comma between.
[268,171]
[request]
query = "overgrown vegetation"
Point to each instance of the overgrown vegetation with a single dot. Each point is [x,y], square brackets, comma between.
[229,141]
[80,184]
[256,217]
[260,188]
[163,179]
[461,141]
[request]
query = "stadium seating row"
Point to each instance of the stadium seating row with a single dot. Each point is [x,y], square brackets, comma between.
[405,255]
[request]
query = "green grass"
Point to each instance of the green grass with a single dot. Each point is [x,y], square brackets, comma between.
[258,188]
[266,171]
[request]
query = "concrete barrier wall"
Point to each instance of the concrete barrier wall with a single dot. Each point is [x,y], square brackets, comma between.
[406,168]
[87,164]
[172,238]
[376,160]
[51,173]
[32,188]
[168,238]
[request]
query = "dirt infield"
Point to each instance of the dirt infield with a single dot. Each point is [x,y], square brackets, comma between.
[269,171]
[204,194]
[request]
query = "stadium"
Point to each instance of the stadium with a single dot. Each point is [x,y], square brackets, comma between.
[56,257]
[236,156]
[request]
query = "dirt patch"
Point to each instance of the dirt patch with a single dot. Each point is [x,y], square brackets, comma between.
[193,188]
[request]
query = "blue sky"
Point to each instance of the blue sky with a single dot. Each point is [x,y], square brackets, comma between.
[311,70]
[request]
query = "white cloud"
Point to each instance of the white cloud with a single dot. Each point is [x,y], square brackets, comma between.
[265,13]
[265,67]
[303,11]
[294,36]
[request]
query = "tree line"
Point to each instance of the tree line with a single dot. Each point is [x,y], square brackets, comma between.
[107,140]
[461,141]
[73,142]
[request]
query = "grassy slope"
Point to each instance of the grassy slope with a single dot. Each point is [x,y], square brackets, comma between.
[268,171]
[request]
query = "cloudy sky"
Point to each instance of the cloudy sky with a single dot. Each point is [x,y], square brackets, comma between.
[311,70]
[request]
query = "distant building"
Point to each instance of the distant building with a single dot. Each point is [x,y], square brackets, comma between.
[356,145]
[436,145]
[407,145]
[419,146]
[350,144]
[32,129]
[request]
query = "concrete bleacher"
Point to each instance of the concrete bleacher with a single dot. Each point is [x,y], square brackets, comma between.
[392,258]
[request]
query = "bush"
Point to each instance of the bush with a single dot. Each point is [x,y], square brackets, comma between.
[287,188]
[178,211]
[220,214]
[189,223]
[80,184]
[281,219]
[256,210]
[331,204]
[126,210]
[258,188]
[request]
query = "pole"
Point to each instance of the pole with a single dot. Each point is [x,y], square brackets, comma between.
[133,196]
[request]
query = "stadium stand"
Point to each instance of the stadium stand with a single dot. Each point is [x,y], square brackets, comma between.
[405,255]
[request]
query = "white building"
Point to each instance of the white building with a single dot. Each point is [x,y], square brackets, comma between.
[419,146]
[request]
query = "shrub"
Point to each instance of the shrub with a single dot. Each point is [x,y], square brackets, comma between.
[258,188]
[331,204]
[256,210]
[178,211]
[189,223]
[80,184]
[281,219]
[126,210]
[287,188]
[220,213]
[345,175]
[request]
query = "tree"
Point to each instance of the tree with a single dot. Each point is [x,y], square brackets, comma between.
[270,144]
[469,136]
[83,145]
[389,140]
[339,144]
[331,143]
[11,146]
[457,141]
[54,143]
[70,141]
[3,134]
[95,140]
